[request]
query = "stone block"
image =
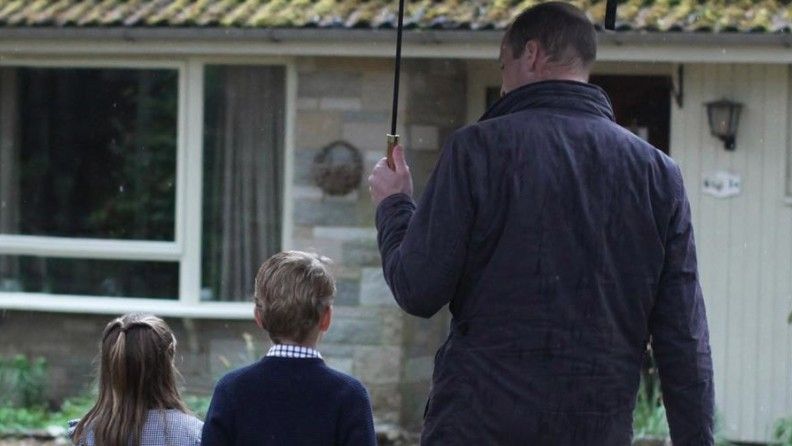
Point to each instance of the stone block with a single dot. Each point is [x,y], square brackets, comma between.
[302,232]
[392,326]
[327,248]
[386,401]
[422,164]
[314,193]
[315,129]
[226,354]
[365,135]
[345,233]
[444,67]
[304,192]
[323,83]
[307,104]
[340,104]
[343,365]
[341,271]
[356,64]
[373,289]
[378,365]
[336,350]
[306,65]
[424,137]
[413,403]
[366,115]
[376,90]
[418,369]
[363,252]
[347,292]
[311,213]
[355,332]
[358,312]
[351,197]
[80,328]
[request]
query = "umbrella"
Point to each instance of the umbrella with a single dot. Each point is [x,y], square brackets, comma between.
[610,15]
[393,137]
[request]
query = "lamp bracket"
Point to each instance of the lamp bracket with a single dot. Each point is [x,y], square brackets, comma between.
[678,85]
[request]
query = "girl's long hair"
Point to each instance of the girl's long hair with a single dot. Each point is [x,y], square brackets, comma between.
[136,374]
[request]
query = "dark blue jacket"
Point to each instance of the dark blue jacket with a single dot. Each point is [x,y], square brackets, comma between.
[289,402]
[562,242]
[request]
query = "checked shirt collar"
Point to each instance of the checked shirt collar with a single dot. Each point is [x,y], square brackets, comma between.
[293,351]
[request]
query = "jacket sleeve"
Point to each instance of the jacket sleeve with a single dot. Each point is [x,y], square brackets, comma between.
[680,338]
[423,248]
[218,425]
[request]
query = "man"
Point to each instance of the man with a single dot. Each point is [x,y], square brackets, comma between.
[562,242]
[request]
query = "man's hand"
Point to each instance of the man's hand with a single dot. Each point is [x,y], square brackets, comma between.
[384,182]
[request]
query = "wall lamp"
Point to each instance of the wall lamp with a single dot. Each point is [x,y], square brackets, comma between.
[724,116]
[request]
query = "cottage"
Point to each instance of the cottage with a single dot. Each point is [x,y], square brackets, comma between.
[153,152]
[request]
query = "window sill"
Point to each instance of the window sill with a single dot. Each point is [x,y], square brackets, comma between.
[116,306]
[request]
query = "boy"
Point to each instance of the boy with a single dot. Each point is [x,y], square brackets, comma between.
[290,397]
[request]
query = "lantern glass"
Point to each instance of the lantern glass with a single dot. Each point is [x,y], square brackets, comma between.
[723,117]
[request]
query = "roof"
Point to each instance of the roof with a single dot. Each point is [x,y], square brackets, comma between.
[756,16]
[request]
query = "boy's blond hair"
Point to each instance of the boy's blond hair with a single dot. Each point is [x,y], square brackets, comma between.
[293,289]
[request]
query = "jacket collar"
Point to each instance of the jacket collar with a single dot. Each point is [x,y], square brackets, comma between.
[568,95]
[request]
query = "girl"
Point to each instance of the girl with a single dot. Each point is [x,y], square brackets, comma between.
[138,401]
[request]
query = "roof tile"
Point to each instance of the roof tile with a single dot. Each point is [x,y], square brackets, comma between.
[640,15]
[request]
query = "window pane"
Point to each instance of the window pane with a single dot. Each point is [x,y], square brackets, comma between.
[114,278]
[88,152]
[243,165]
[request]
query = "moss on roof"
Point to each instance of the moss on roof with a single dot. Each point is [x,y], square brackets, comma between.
[645,15]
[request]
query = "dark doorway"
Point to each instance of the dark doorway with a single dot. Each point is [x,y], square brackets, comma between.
[641,104]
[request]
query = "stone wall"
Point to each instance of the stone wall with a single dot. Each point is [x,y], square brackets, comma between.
[350,100]
[207,349]
[371,338]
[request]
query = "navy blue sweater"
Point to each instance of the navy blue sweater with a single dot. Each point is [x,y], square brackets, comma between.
[286,401]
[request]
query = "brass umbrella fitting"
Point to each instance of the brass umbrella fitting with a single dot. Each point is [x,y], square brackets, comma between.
[393,137]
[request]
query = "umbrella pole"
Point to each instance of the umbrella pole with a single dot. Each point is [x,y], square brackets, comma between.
[610,15]
[393,137]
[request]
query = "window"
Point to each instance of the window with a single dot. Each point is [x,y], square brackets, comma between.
[97,165]
[89,153]
[243,166]
[89,277]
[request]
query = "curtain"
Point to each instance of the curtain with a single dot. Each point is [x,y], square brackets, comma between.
[245,180]
[9,182]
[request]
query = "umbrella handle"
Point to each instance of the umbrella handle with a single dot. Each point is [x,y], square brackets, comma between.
[393,141]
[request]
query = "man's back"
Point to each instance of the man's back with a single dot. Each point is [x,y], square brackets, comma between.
[560,236]
[294,401]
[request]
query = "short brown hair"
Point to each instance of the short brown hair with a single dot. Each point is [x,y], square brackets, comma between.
[293,289]
[563,30]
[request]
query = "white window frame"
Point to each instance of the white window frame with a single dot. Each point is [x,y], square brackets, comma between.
[186,246]
[788,152]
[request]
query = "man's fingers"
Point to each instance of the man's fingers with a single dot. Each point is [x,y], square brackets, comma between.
[399,161]
[381,164]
